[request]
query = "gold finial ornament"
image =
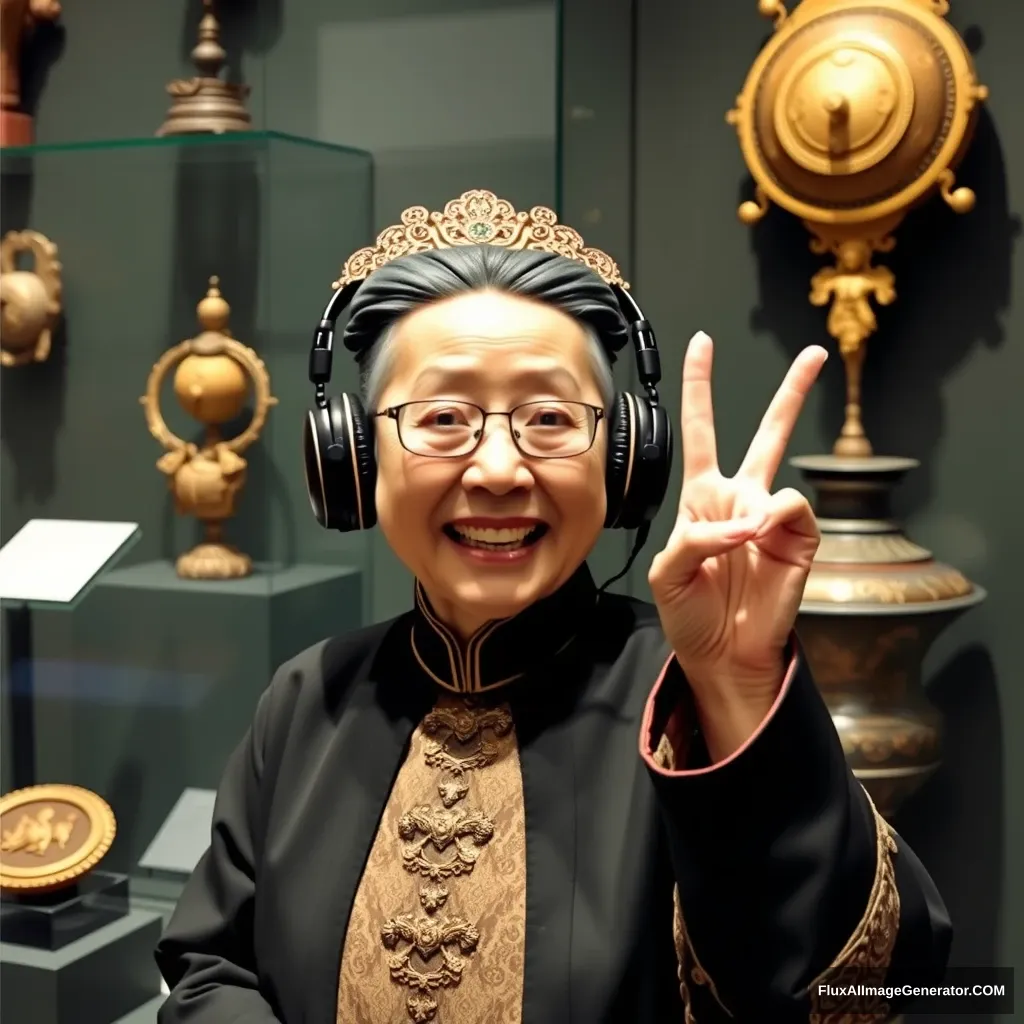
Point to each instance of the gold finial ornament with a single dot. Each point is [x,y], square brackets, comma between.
[30,300]
[854,112]
[211,382]
[478,217]
[17,20]
[206,104]
[51,836]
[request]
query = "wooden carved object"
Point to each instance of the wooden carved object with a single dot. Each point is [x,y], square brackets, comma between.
[17,20]
[30,300]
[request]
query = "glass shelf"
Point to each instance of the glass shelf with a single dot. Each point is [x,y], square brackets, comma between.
[233,140]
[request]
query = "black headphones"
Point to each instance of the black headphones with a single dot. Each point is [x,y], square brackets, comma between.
[338,443]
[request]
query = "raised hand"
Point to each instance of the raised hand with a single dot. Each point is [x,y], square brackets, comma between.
[729,581]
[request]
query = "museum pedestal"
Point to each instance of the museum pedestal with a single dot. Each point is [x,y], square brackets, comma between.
[95,980]
[53,920]
[145,689]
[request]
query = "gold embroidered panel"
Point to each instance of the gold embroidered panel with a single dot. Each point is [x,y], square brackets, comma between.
[438,927]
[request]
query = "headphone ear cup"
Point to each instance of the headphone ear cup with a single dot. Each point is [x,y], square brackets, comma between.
[340,465]
[621,435]
[654,471]
[639,461]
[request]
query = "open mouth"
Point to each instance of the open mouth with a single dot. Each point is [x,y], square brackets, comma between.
[490,539]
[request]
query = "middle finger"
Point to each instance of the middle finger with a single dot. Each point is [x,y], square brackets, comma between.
[764,456]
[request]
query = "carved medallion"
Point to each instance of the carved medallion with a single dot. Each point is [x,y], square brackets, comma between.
[443,843]
[51,836]
[458,742]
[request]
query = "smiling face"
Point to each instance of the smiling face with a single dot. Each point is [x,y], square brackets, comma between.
[489,532]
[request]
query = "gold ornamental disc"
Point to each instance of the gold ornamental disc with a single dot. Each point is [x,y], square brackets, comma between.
[844,109]
[52,835]
[855,110]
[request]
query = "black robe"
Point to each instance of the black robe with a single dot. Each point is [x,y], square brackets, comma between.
[778,862]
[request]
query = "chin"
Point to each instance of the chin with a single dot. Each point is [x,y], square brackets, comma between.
[497,599]
[498,594]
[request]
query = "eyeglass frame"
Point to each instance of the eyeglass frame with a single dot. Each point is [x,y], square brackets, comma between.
[392,412]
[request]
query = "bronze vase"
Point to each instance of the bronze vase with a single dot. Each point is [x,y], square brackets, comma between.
[874,603]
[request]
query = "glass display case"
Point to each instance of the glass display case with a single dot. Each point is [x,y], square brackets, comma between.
[138,691]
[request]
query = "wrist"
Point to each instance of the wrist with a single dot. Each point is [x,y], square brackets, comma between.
[731,706]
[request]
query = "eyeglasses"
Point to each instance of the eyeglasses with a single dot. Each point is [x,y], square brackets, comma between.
[445,429]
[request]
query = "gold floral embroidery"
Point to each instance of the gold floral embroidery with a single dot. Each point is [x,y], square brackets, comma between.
[867,954]
[664,755]
[432,953]
[689,969]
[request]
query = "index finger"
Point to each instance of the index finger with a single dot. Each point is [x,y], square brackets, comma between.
[700,452]
[764,456]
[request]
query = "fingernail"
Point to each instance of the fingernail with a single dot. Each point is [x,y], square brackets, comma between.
[701,336]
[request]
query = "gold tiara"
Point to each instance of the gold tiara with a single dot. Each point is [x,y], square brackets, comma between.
[478,217]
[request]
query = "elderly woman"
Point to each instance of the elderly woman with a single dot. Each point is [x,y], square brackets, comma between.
[528,800]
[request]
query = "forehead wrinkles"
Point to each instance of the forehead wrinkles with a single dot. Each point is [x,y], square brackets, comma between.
[476,350]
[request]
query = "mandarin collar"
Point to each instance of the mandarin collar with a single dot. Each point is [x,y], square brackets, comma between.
[501,651]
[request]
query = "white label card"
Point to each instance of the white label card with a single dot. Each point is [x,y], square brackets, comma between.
[53,560]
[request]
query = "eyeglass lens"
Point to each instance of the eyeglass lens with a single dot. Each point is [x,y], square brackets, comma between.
[547,429]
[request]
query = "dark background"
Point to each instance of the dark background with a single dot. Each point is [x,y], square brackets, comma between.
[615,111]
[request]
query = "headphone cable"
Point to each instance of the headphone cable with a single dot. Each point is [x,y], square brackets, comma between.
[641,539]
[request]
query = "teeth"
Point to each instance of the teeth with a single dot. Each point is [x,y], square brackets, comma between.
[494,540]
[489,536]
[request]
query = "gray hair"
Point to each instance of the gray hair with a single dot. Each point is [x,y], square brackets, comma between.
[410,282]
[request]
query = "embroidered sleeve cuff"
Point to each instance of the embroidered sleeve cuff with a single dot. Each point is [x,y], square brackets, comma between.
[670,743]
[866,957]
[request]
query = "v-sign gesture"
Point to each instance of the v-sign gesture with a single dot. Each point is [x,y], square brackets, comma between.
[729,581]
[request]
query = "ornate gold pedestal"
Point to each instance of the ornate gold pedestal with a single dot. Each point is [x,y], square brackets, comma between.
[853,113]
[874,603]
[205,104]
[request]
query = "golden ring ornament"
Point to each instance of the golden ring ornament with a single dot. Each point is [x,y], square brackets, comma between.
[51,836]
[853,113]
[242,354]
[213,372]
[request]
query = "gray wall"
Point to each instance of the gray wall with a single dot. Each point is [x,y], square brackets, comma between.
[943,379]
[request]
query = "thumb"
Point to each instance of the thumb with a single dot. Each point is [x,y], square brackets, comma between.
[693,542]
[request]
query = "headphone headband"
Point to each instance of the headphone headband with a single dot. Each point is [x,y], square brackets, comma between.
[641,336]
